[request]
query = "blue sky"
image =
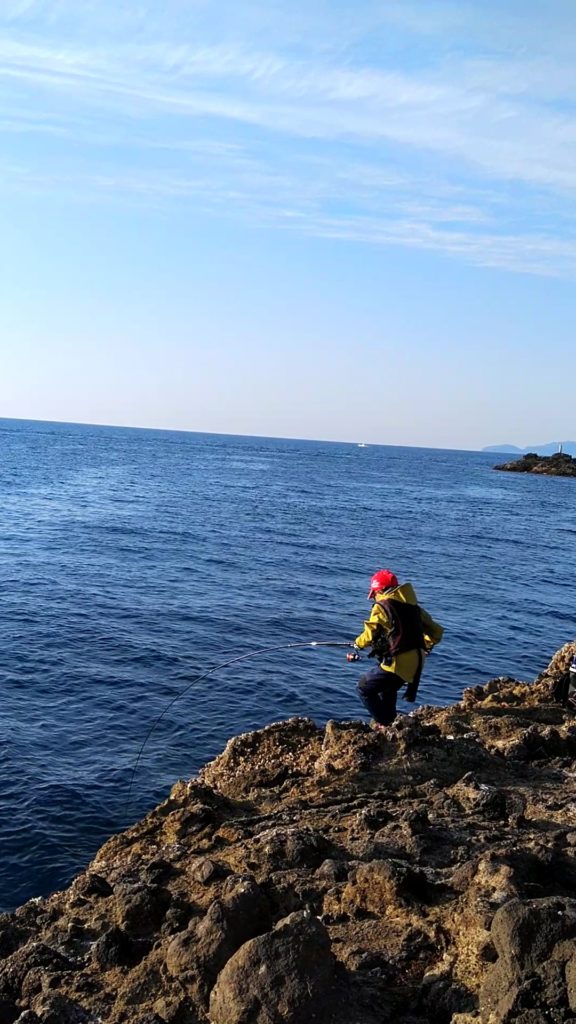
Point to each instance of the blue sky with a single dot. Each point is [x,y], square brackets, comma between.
[322,219]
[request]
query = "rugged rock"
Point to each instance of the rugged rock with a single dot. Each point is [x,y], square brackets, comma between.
[287,976]
[426,873]
[559,464]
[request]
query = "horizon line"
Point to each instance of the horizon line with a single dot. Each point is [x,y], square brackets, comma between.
[216,433]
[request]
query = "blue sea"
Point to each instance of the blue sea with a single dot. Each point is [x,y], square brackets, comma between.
[133,561]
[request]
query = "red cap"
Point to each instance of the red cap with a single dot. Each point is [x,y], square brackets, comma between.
[384,579]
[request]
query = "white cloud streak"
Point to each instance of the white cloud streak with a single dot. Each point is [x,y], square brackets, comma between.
[391,143]
[489,129]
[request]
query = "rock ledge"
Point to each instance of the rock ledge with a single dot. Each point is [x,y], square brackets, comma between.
[331,876]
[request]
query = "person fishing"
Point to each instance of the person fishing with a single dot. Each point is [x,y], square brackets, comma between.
[401,634]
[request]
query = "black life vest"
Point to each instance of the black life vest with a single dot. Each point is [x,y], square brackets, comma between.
[407,633]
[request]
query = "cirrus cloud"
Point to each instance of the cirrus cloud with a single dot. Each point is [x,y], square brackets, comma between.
[348,140]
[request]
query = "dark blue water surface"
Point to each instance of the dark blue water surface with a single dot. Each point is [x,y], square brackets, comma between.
[132,560]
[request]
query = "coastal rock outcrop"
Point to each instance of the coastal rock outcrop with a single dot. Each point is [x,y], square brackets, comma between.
[331,875]
[559,464]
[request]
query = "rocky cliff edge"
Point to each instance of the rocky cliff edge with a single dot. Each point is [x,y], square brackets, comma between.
[332,876]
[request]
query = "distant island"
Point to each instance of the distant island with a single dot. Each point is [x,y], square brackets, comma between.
[550,448]
[559,464]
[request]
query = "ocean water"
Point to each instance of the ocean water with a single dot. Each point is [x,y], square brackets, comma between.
[133,560]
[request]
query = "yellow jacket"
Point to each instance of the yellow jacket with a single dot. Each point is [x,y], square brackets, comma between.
[407,664]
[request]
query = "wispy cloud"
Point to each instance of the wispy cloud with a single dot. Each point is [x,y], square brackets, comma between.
[454,114]
[15,10]
[377,147]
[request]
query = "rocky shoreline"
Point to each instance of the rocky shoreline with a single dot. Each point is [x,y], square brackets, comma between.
[331,876]
[559,464]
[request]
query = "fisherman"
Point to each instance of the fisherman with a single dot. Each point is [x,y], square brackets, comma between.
[401,634]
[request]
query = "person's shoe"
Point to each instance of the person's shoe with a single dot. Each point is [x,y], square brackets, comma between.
[377,726]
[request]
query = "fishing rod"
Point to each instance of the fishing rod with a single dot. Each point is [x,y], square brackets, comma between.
[204,675]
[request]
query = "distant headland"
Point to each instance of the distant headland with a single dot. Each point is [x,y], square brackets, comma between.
[559,464]
[550,448]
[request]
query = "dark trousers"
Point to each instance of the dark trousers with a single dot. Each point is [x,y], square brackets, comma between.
[378,691]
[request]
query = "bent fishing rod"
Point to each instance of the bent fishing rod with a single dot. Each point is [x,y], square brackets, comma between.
[209,672]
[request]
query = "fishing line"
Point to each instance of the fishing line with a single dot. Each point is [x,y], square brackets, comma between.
[204,675]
